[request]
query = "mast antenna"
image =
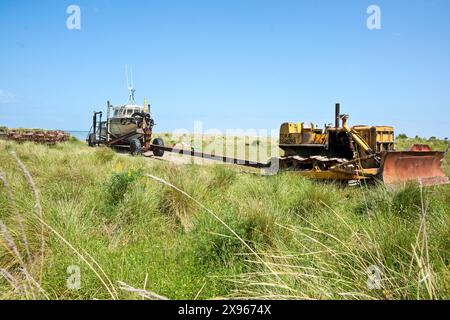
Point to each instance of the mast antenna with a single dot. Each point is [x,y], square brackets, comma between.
[130,85]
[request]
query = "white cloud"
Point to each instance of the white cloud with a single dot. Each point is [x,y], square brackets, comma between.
[6,97]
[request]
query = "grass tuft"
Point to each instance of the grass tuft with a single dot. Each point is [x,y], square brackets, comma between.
[211,231]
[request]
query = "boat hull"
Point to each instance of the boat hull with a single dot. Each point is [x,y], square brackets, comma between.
[119,127]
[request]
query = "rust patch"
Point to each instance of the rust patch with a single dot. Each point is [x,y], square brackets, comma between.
[422,166]
[420,147]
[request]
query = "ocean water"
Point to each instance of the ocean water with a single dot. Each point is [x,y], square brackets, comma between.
[80,135]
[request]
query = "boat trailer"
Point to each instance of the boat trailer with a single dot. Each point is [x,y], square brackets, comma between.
[137,141]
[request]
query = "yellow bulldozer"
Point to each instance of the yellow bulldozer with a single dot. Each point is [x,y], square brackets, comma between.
[343,153]
[360,152]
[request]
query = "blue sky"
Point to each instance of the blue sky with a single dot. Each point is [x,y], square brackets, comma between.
[231,64]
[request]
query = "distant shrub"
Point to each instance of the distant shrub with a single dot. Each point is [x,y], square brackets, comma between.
[402,136]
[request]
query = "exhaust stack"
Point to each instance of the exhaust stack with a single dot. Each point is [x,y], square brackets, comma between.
[337,113]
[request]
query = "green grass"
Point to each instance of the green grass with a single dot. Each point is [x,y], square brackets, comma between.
[303,239]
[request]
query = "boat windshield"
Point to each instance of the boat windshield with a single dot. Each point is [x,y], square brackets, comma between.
[126,111]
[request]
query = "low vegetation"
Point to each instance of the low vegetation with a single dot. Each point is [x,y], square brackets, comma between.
[146,228]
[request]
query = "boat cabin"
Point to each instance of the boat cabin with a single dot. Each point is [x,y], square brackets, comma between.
[126,111]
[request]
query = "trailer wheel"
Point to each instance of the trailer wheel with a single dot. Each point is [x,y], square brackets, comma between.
[156,151]
[91,140]
[135,147]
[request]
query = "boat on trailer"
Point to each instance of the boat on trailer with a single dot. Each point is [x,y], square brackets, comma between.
[126,126]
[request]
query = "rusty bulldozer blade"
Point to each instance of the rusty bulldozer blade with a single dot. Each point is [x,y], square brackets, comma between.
[422,166]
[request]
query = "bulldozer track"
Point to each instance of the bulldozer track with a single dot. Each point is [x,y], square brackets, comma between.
[297,163]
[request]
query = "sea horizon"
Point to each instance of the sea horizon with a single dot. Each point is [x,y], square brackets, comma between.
[79,134]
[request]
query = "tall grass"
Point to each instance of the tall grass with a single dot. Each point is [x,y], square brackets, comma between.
[210,231]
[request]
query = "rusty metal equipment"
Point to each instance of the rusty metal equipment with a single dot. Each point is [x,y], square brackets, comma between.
[356,153]
[34,135]
[344,153]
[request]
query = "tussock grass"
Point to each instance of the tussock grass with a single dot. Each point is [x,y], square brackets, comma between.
[210,231]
